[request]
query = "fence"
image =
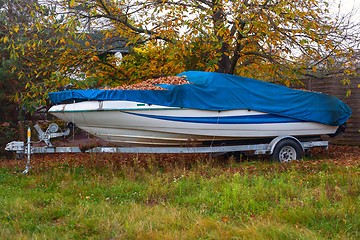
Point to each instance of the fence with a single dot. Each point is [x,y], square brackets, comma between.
[333,86]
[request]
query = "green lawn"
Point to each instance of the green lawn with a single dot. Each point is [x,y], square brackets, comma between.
[179,197]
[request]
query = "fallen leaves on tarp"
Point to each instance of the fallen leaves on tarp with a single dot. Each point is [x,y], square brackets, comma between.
[151,84]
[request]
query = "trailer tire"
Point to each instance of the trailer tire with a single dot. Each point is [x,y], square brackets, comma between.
[287,150]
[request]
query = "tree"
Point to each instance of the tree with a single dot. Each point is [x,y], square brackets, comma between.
[46,49]
[12,15]
[11,112]
[267,39]
[241,35]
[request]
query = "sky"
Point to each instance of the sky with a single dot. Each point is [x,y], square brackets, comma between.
[346,6]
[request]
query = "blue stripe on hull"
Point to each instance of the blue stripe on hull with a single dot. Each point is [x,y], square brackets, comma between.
[249,119]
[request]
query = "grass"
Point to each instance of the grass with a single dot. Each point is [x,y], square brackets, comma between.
[179,197]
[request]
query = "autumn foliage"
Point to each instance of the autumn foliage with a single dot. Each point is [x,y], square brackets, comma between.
[278,41]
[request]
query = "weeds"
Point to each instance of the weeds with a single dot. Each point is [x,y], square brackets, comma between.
[179,197]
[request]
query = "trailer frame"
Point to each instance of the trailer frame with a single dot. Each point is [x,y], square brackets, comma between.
[281,148]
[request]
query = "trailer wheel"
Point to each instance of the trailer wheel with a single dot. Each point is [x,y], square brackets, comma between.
[287,150]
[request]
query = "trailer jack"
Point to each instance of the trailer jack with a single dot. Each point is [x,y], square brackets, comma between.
[21,148]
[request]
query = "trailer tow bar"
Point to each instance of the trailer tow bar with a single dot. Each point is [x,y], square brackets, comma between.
[21,148]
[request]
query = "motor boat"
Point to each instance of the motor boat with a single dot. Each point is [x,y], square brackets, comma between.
[136,123]
[212,109]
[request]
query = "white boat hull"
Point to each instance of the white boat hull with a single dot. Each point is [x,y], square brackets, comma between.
[136,124]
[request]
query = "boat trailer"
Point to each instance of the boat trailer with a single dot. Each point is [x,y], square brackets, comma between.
[281,148]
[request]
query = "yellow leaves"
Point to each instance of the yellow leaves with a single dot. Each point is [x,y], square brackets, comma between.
[27,85]
[95,58]
[16,28]
[303,42]
[31,46]
[72,3]
[347,72]
[314,68]
[37,74]
[140,50]
[63,68]
[108,34]
[348,93]
[195,32]
[5,39]
[345,81]
[62,40]
[16,97]
[13,68]
[87,44]
[287,82]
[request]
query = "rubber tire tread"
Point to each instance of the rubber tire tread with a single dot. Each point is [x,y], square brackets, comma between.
[287,142]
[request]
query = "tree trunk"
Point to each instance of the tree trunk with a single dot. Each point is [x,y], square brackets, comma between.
[224,64]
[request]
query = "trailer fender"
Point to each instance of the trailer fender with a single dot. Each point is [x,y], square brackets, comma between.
[276,140]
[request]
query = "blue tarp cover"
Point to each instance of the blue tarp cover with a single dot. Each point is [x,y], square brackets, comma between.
[217,91]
